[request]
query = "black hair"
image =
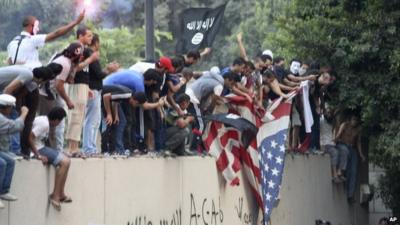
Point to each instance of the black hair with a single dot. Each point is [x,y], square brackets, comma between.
[232,76]
[306,62]
[182,98]
[56,113]
[315,65]
[82,29]
[278,59]
[295,60]
[186,71]
[250,65]
[384,220]
[95,39]
[48,72]
[70,51]
[312,72]
[264,58]
[178,62]
[269,74]
[238,61]
[152,74]
[140,97]
[195,54]
[28,20]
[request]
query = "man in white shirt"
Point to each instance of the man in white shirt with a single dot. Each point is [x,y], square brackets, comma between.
[24,48]
[40,132]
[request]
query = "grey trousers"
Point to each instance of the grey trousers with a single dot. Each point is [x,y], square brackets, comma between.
[175,139]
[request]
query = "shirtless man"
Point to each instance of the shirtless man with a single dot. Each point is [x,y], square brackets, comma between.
[348,139]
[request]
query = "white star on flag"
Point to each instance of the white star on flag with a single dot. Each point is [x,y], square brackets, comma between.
[273,144]
[279,160]
[266,167]
[269,155]
[282,148]
[268,196]
[275,172]
[271,184]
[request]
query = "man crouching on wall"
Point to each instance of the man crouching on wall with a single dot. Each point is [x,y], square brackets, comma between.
[40,133]
[7,127]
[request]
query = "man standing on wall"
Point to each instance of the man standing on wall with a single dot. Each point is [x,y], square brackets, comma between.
[24,50]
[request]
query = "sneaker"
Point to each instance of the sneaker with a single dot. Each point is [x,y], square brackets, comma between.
[136,152]
[18,157]
[127,153]
[167,153]
[342,178]
[336,180]
[189,153]
[2,206]
[8,197]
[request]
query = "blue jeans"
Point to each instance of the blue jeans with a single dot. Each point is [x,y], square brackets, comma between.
[92,123]
[7,164]
[343,156]
[59,136]
[159,133]
[119,133]
[351,170]
[15,140]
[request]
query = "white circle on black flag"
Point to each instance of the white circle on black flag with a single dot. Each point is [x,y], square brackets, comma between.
[197,38]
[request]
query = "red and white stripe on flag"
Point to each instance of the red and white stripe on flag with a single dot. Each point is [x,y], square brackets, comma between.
[224,144]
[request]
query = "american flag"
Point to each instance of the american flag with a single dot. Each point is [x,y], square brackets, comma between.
[224,143]
[271,137]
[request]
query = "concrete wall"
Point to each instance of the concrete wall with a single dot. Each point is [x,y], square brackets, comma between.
[181,191]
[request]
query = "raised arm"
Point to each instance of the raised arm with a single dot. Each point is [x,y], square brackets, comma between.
[242,50]
[205,52]
[65,29]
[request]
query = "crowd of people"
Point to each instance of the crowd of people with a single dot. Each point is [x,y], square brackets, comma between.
[55,112]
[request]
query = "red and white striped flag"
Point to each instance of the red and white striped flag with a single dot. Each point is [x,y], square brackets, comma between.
[225,144]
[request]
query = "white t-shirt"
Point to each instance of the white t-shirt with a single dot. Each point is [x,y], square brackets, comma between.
[142,67]
[40,129]
[28,53]
[326,132]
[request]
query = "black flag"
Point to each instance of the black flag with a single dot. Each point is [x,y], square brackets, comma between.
[199,26]
[248,130]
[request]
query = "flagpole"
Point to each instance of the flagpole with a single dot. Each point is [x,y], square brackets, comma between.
[149,23]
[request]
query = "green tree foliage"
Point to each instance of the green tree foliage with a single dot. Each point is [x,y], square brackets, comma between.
[360,40]
[118,44]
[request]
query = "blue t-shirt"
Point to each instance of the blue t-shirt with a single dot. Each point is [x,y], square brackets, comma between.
[174,79]
[128,78]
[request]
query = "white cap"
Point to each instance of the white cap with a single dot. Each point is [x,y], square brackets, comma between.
[268,52]
[215,70]
[7,100]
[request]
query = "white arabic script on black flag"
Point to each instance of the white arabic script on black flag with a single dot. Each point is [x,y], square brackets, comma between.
[199,26]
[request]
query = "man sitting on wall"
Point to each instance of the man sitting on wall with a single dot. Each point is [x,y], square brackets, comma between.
[40,132]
